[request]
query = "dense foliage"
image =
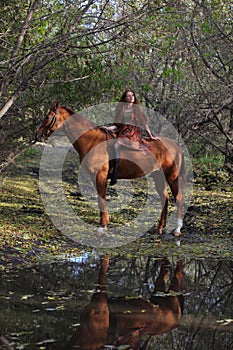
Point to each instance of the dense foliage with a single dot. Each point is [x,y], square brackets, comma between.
[177,55]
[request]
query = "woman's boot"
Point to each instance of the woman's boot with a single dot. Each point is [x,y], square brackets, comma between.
[115,172]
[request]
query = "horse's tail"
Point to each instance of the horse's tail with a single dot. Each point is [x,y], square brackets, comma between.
[182,174]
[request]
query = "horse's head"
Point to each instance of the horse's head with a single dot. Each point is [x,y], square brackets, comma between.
[53,120]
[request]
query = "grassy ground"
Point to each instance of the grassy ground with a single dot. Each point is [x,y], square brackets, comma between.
[27,233]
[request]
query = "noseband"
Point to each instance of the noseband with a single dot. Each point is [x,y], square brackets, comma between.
[48,130]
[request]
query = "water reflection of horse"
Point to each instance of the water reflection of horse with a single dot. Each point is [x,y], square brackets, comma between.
[129,321]
[164,163]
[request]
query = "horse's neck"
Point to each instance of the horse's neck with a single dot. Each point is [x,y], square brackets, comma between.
[83,134]
[88,140]
[75,126]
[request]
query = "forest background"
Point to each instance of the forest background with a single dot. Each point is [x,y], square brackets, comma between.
[177,56]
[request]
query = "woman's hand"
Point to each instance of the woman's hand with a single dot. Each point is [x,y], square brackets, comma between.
[111,128]
[155,138]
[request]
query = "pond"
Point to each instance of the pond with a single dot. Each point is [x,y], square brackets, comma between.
[95,301]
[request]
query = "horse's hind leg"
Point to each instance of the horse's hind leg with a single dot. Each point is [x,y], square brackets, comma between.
[177,281]
[104,262]
[172,303]
[177,285]
[160,185]
[177,191]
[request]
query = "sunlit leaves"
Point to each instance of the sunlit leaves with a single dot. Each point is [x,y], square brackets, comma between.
[26,297]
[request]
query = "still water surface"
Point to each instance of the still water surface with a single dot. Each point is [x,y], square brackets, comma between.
[92,302]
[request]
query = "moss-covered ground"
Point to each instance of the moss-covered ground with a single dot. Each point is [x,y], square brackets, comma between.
[28,235]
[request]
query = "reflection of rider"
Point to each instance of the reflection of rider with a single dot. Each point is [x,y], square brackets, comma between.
[128,120]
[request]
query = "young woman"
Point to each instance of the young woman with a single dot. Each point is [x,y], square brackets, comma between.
[129,123]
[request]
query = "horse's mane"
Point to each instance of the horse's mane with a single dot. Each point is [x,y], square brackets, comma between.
[86,122]
[69,110]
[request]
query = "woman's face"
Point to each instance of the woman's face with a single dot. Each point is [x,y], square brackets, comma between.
[129,97]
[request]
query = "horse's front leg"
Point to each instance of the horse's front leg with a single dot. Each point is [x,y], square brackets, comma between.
[101,187]
[160,185]
[161,281]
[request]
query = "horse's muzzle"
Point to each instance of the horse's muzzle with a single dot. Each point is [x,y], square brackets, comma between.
[39,137]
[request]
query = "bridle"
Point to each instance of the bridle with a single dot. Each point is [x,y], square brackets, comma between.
[48,128]
[53,121]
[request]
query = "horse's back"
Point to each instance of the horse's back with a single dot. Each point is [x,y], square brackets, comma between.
[168,154]
[162,154]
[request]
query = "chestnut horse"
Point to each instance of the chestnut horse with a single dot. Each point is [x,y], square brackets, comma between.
[164,162]
[126,321]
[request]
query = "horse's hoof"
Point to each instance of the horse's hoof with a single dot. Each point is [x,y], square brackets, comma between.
[158,231]
[101,231]
[177,234]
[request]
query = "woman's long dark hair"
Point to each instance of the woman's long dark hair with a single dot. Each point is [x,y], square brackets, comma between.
[119,112]
[123,97]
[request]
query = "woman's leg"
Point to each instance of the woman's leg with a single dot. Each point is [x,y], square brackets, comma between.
[116,162]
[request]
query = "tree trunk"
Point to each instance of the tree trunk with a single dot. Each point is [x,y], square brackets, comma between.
[228,164]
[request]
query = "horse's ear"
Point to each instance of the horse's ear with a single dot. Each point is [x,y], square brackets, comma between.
[57,104]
